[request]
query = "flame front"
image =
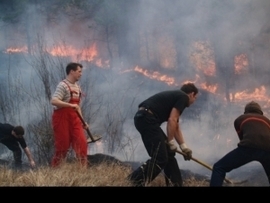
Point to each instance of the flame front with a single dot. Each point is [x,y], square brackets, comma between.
[259,94]
[202,57]
[156,75]
[17,50]
[240,63]
[89,54]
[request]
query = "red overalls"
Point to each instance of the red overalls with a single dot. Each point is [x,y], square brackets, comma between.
[68,131]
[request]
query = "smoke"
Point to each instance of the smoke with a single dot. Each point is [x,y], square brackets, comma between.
[231,27]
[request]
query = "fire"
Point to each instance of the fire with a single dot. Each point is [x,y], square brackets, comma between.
[89,54]
[171,81]
[86,54]
[17,50]
[259,94]
[203,58]
[240,63]
[156,75]
[209,88]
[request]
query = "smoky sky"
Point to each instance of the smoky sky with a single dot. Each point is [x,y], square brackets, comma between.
[230,26]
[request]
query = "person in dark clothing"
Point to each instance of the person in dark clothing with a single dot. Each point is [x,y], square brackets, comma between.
[253,130]
[166,106]
[12,137]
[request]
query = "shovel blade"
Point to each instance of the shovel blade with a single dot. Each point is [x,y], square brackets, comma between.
[96,138]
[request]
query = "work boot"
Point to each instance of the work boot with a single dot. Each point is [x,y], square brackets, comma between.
[136,179]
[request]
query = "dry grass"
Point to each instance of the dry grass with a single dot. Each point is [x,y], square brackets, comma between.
[71,174]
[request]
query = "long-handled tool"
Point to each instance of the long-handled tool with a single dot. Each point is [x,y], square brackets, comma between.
[91,137]
[210,168]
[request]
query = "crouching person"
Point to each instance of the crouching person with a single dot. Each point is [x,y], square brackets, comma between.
[253,130]
[12,137]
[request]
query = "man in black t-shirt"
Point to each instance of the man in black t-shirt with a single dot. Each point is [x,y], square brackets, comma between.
[12,137]
[166,106]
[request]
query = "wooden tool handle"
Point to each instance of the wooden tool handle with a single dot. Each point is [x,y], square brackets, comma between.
[203,164]
[87,130]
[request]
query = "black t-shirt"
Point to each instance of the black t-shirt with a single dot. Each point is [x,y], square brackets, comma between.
[161,104]
[7,138]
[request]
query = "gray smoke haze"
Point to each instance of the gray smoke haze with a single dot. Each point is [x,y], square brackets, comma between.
[230,27]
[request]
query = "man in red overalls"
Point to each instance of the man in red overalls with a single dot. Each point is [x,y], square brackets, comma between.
[67,126]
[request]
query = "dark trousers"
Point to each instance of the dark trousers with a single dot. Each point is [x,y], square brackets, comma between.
[237,158]
[17,154]
[161,157]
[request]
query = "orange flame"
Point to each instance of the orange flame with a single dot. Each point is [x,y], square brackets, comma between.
[156,75]
[240,63]
[17,50]
[209,88]
[87,54]
[259,94]
[203,58]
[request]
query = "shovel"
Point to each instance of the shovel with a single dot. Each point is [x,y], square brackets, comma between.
[210,168]
[91,138]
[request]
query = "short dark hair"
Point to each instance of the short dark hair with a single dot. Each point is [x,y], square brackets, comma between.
[72,66]
[189,88]
[19,130]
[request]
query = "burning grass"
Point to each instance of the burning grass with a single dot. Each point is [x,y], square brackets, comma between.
[71,174]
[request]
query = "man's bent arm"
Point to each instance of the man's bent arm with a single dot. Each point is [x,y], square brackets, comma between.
[173,128]
[29,156]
